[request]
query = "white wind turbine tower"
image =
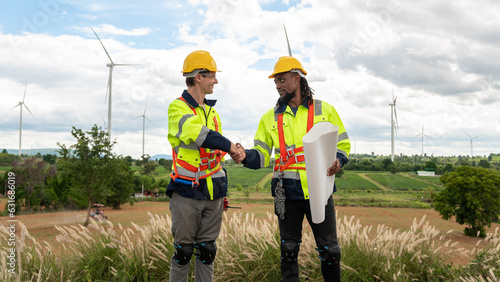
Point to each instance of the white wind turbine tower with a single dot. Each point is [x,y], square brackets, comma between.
[394,123]
[20,105]
[110,65]
[471,151]
[144,117]
[423,134]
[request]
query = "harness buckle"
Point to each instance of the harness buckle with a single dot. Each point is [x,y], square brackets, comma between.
[297,158]
[290,152]
[204,160]
[212,164]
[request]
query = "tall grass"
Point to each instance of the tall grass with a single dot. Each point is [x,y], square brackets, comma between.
[248,250]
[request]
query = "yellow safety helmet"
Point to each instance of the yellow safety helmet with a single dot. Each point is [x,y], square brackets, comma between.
[198,60]
[286,64]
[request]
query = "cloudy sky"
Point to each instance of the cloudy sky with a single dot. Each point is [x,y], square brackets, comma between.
[441,60]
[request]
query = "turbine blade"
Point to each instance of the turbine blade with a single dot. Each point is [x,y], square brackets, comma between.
[25,86]
[149,120]
[468,134]
[128,65]
[396,115]
[133,118]
[15,106]
[29,110]
[287,42]
[102,45]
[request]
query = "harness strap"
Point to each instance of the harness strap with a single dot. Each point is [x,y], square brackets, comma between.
[289,157]
[205,162]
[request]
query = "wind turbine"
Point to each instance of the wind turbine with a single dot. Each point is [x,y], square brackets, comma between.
[423,134]
[394,123]
[110,81]
[144,117]
[20,105]
[471,152]
[288,43]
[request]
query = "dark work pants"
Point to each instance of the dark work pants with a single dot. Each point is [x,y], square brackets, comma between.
[324,233]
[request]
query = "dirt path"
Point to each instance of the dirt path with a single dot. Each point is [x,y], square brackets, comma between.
[264,179]
[364,176]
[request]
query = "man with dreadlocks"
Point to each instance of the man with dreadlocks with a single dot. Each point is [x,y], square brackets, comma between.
[283,128]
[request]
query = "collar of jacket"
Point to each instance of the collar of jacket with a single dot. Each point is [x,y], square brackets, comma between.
[190,100]
[282,107]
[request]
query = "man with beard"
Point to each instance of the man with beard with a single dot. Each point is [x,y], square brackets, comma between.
[283,128]
[199,181]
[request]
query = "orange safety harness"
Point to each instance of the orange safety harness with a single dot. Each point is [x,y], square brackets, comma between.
[289,157]
[205,162]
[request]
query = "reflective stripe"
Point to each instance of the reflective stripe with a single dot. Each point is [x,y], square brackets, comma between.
[262,144]
[318,108]
[184,172]
[290,174]
[202,136]
[181,124]
[343,136]
[262,159]
[342,152]
[191,146]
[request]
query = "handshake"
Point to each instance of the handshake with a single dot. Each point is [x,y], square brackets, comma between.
[237,152]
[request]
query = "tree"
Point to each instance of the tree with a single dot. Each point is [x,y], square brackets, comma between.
[121,183]
[148,166]
[430,165]
[29,174]
[472,195]
[87,164]
[484,163]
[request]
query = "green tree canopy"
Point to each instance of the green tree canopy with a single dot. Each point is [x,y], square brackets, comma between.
[472,195]
[88,165]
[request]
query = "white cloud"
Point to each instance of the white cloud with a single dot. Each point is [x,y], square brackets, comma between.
[107,29]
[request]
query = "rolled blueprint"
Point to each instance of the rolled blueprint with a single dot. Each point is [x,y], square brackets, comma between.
[320,151]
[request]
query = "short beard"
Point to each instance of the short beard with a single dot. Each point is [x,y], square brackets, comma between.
[286,98]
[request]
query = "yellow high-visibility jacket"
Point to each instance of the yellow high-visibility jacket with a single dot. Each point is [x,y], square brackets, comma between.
[294,128]
[188,132]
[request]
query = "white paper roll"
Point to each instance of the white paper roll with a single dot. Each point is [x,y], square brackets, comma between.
[320,151]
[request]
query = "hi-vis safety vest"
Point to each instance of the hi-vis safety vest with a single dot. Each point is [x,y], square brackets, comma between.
[284,132]
[188,127]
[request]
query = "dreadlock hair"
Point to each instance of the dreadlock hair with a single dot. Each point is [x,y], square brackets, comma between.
[305,91]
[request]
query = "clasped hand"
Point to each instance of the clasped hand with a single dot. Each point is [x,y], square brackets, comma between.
[237,153]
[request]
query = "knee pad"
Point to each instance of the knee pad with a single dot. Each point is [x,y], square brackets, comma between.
[289,250]
[330,254]
[206,251]
[183,253]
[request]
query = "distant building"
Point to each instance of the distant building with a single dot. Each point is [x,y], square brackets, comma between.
[426,173]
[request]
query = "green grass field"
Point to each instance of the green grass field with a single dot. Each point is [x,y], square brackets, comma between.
[353,181]
[402,183]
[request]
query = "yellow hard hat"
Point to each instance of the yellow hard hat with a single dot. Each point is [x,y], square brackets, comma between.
[198,60]
[286,64]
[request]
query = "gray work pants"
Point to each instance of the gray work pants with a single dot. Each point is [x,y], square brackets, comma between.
[194,221]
